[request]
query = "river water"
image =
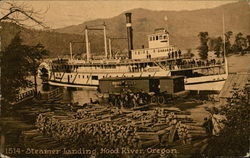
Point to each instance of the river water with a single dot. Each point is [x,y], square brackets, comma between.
[81,96]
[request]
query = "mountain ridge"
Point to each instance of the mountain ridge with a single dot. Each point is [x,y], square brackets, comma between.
[144,21]
[184,27]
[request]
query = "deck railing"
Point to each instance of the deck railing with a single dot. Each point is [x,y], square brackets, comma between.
[25,96]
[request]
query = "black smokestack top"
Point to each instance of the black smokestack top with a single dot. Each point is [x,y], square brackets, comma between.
[129,34]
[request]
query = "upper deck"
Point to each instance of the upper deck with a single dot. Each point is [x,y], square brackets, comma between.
[159,46]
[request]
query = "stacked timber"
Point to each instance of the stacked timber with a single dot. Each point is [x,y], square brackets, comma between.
[100,126]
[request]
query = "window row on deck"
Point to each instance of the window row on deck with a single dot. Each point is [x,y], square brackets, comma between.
[157,37]
[76,66]
[138,52]
[94,77]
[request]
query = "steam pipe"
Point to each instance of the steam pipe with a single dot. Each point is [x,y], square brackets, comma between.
[129,34]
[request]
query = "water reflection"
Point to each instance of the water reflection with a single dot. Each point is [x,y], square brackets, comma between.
[81,96]
[71,95]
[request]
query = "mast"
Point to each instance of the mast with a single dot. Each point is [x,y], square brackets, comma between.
[110,52]
[105,40]
[87,43]
[70,49]
[224,41]
[166,19]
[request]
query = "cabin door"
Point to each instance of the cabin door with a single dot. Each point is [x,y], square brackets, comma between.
[154,85]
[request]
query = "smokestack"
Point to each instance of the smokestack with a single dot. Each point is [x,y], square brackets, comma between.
[129,34]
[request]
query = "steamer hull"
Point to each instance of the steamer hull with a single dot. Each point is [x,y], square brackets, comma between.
[91,80]
[159,60]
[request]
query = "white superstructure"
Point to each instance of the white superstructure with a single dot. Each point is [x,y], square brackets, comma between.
[160,59]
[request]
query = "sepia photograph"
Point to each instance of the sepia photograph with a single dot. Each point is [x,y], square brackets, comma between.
[124,79]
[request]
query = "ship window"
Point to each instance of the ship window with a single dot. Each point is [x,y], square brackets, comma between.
[160,37]
[79,76]
[82,76]
[153,38]
[156,38]
[165,37]
[71,76]
[94,77]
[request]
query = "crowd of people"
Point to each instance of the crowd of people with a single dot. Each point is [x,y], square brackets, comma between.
[178,64]
[175,54]
[129,99]
[191,63]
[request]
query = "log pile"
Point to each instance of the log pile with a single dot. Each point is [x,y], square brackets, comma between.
[100,126]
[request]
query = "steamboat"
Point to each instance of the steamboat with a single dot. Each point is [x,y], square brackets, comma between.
[158,60]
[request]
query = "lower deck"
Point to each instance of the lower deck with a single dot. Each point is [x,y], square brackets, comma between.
[91,80]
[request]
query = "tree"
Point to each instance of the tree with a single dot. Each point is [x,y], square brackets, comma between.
[218,46]
[189,52]
[248,42]
[233,139]
[211,43]
[227,42]
[240,43]
[20,13]
[19,61]
[203,48]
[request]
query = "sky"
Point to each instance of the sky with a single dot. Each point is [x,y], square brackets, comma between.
[64,13]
